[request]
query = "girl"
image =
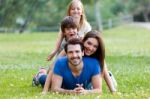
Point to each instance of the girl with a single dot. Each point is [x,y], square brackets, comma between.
[76,10]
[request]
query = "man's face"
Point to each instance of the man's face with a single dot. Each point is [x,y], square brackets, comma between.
[70,33]
[74,54]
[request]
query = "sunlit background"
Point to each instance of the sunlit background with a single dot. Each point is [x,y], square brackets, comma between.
[28,33]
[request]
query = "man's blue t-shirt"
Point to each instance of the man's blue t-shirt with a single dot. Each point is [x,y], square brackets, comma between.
[91,68]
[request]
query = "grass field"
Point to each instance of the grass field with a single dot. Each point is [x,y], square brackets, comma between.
[127,56]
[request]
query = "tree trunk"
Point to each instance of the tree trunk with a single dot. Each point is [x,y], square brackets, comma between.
[98,15]
[146,10]
[29,16]
[146,18]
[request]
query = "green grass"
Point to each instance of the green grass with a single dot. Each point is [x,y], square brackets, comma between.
[127,56]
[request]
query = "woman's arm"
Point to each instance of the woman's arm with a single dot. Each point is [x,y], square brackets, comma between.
[108,79]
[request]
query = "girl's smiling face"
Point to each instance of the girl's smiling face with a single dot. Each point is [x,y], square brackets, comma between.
[76,9]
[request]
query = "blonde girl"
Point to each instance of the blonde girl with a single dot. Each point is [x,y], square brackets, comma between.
[76,10]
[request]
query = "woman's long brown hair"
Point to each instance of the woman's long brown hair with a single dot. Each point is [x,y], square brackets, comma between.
[100,52]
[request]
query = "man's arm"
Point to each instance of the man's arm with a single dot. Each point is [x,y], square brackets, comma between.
[96,79]
[57,79]
[97,86]
[47,82]
[96,83]
[57,83]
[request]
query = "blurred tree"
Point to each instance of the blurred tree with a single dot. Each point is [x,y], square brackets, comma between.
[11,9]
[8,11]
[49,13]
[118,7]
[29,15]
[137,7]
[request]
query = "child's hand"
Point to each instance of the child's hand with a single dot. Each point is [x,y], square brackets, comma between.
[50,57]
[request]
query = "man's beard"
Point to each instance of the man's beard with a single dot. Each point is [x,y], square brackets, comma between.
[78,61]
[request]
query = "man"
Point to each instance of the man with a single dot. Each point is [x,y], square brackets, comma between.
[74,74]
[69,30]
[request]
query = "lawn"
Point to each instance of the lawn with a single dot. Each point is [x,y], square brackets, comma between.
[127,56]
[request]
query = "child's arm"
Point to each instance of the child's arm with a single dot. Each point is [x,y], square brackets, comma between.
[58,44]
[62,53]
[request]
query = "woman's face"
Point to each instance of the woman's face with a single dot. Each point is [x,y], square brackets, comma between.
[76,9]
[90,46]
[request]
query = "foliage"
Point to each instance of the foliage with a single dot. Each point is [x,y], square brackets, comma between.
[8,10]
[49,13]
[140,7]
[127,56]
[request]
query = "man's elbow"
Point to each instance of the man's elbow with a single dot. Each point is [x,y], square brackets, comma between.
[100,91]
[54,89]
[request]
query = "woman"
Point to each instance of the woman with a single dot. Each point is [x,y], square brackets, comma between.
[94,47]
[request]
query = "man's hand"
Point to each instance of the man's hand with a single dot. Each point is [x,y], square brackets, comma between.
[44,93]
[79,89]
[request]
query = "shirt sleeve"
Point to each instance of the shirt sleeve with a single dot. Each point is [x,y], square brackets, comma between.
[96,69]
[57,67]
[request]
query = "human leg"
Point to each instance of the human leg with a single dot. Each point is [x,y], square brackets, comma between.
[35,81]
[42,80]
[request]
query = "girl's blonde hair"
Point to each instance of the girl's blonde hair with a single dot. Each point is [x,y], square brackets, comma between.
[83,19]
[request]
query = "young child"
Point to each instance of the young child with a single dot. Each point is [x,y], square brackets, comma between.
[76,10]
[69,30]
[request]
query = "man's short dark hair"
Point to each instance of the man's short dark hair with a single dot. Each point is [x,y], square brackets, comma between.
[73,41]
[68,22]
